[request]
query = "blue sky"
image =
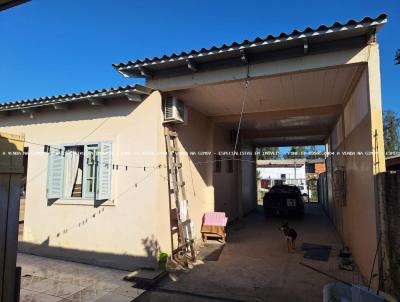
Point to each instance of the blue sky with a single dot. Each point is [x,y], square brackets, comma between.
[59,46]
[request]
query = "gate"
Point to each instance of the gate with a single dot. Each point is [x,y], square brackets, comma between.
[11,170]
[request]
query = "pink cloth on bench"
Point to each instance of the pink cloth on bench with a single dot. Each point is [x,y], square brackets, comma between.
[215,218]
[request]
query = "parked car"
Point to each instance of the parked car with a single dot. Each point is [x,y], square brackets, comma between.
[284,200]
[303,189]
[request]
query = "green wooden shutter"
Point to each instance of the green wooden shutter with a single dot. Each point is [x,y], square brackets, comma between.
[105,171]
[55,175]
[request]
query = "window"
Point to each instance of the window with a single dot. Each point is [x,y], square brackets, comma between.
[217,163]
[80,171]
[310,168]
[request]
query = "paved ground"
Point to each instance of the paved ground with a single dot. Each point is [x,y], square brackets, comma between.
[50,280]
[255,265]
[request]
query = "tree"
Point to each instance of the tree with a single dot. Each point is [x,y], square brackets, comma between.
[391,124]
[397,56]
[268,153]
[313,153]
[296,152]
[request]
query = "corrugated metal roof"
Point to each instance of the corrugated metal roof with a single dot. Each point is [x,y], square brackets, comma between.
[392,161]
[74,97]
[136,67]
[6,4]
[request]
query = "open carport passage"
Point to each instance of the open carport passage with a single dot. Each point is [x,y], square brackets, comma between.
[319,86]
[255,265]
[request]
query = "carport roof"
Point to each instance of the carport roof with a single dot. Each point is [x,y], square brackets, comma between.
[6,4]
[192,60]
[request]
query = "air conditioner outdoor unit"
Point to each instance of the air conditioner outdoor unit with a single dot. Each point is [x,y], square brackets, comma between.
[174,110]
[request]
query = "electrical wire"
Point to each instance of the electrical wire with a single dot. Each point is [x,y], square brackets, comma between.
[98,212]
[47,149]
[245,92]
[116,166]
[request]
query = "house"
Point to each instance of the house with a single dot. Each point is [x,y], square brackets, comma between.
[393,163]
[314,167]
[281,171]
[307,87]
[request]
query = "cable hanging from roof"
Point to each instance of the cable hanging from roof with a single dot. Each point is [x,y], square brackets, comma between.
[244,98]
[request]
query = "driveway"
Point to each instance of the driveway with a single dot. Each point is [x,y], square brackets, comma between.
[51,280]
[255,266]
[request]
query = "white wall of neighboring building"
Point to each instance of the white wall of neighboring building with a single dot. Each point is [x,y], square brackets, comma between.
[275,172]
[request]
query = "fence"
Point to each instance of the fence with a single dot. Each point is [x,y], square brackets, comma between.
[389,223]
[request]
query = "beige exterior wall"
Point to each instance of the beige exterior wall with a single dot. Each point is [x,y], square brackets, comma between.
[226,184]
[359,129]
[128,230]
[123,232]
[248,183]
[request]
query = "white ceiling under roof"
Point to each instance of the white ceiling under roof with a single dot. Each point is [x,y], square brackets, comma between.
[293,91]
[296,108]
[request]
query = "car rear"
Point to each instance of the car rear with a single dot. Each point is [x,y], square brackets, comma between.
[283,201]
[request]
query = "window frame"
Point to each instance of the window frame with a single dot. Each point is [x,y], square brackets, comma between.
[84,199]
[95,178]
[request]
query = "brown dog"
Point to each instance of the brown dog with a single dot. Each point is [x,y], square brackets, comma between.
[290,235]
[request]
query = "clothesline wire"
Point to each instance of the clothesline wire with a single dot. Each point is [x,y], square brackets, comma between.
[221,160]
[122,165]
[65,151]
[133,185]
[86,136]
[85,220]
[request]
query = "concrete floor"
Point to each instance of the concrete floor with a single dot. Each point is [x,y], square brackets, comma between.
[51,280]
[255,265]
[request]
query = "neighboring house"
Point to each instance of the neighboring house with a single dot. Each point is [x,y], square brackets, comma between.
[393,163]
[314,167]
[310,87]
[281,171]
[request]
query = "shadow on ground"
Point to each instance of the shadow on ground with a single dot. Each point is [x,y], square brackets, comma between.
[255,266]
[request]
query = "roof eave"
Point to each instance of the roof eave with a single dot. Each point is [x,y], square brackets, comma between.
[127,91]
[6,4]
[138,69]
